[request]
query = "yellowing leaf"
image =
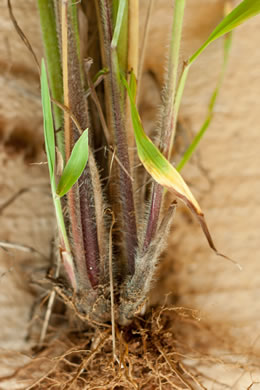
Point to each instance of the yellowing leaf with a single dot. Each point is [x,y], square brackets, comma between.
[163,172]
[153,160]
[160,168]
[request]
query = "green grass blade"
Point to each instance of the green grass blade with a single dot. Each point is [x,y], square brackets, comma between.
[52,54]
[191,149]
[75,165]
[48,122]
[50,151]
[119,43]
[119,20]
[161,170]
[245,10]
[153,160]
[100,73]
[169,123]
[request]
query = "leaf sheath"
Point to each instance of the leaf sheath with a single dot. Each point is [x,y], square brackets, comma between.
[116,108]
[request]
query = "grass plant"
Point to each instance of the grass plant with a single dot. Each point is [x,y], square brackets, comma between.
[90,200]
[111,236]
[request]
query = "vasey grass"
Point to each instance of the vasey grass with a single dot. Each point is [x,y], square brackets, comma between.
[115,188]
[110,234]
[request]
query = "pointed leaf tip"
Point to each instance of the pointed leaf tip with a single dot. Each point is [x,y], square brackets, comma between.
[75,165]
[244,11]
[161,170]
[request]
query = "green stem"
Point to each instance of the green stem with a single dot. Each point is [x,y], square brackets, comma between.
[168,123]
[187,155]
[169,120]
[179,92]
[120,41]
[119,9]
[68,260]
[189,152]
[52,53]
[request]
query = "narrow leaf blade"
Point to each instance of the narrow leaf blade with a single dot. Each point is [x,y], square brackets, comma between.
[75,165]
[119,20]
[198,137]
[245,10]
[47,121]
[153,160]
[50,151]
[160,168]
